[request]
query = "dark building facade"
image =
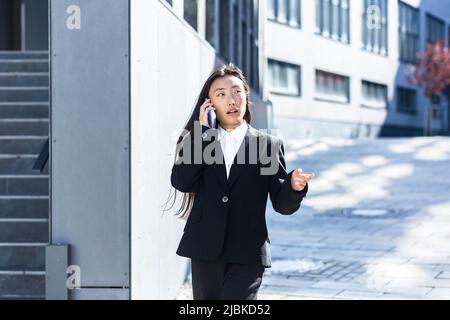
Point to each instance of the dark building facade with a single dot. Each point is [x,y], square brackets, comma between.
[23,25]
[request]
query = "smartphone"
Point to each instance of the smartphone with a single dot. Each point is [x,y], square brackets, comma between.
[212,119]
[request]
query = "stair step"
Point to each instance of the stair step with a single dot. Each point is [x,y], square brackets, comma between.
[22,94]
[21,145]
[24,110]
[22,285]
[11,297]
[18,165]
[22,270]
[24,231]
[25,65]
[17,186]
[23,244]
[24,55]
[24,208]
[24,79]
[24,200]
[24,257]
[12,220]
[25,127]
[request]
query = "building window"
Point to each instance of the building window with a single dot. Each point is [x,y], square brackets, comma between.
[333,19]
[374,26]
[225,24]
[408,32]
[406,100]
[435,29]
[284,78]
[448,37]
[232,28]
[254,44]
[332,87]
[285,11]
[190,12]
[211,23]
[238,32]
[374,95]
[235,34]
[435,106]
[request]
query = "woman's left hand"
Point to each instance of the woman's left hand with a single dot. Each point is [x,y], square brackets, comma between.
[300,179]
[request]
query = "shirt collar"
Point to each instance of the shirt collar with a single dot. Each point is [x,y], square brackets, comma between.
[237,133]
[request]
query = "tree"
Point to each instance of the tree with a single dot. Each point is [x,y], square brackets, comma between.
[432,72]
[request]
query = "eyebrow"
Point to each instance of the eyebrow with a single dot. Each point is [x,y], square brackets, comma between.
[235,86]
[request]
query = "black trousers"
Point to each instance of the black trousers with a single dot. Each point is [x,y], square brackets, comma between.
[218,280]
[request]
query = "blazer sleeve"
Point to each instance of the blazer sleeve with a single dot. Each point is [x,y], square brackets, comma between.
[285,199]
[186,174]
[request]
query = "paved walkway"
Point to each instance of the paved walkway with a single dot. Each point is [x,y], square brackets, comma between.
[374,225]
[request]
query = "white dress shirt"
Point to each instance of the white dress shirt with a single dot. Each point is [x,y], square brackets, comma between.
[230,143]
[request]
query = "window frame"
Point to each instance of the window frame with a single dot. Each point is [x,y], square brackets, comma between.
[281,91]
[366,103]
[401,110]
[383,35]
[320,96]
[288,21]
[438,22]
[408,33]
[324,27]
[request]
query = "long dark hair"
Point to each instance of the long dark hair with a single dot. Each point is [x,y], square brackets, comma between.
[220,72]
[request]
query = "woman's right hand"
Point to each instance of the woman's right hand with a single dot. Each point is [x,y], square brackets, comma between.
[204,109]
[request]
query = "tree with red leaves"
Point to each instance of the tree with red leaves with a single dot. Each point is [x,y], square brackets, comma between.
[432,72]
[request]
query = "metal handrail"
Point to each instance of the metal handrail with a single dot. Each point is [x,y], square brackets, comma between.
[43,157]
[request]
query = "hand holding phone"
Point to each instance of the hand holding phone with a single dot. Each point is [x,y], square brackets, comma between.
[207,115]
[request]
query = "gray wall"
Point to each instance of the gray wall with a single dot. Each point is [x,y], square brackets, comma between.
[90,142]
[169,64]
[115,119]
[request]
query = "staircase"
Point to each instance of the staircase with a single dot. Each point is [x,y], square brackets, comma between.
[24,192]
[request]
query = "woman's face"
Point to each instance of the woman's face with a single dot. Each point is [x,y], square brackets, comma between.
[228,96]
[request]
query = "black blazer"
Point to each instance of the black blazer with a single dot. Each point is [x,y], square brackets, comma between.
[227,219]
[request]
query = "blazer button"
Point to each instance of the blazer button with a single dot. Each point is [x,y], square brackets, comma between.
[225,199]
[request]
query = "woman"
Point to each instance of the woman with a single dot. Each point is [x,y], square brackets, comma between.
[225,184]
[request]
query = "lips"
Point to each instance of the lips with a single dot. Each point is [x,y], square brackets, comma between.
[232,112]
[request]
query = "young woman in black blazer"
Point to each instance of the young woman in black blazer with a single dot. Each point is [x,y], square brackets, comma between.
[225,201]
